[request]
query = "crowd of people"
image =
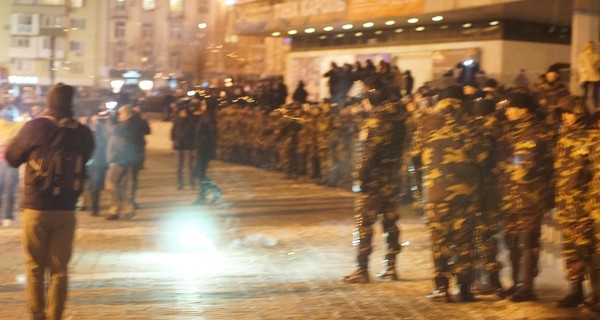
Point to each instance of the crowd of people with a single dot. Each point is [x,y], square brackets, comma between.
[483,163]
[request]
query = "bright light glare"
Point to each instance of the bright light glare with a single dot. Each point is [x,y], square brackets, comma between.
[276,34]
[413,20]
[420,28]
[468,62]
[347,26]
[146,84]
[191,93]
[328,28]
[467,25]
[494,23]
[292,32]
[202,25]
[437,18]
[390,23]
[368,24]
[309,30]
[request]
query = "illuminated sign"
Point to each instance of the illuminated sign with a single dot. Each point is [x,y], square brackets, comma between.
[132,74]
[23,80]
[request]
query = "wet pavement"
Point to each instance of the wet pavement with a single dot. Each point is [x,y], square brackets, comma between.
[271,248]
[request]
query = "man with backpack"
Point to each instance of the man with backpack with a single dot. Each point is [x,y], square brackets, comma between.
[55,148]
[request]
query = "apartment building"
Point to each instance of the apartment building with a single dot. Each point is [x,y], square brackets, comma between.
[109,44]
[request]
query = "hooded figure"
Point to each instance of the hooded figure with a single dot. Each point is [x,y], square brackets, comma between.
[48,218]
[59,101]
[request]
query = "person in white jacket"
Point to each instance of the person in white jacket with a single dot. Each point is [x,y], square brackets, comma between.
[588,67]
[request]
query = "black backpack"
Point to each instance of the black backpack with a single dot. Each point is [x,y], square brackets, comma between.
[58,166]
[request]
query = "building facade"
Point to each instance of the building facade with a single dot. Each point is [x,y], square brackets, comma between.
[427,37]
[110,44]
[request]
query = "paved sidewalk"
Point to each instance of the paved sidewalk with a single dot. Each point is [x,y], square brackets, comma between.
[270,249]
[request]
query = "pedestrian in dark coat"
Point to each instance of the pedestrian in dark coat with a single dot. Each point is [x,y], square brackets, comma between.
[299,96]
[182,135]
[205,140]
[48,218]
[141,129]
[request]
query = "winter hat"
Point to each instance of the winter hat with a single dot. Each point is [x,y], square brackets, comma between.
[59,100]
[572,104]
[490,83]
[454,92]
[522,100]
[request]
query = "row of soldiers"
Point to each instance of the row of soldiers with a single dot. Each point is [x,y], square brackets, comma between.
[482,173]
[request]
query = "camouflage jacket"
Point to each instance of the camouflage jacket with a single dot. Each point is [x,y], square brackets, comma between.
[573,172]
[526,166]
[451,154]
[381,138]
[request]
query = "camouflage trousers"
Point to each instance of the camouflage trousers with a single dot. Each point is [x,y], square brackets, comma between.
[522,231]
[486,241]
[451,227]
[368,208]
[578,246]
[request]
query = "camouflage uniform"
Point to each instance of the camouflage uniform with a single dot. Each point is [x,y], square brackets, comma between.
[574,156]
[377,176]
[525,179]
[326,144]
[450,153]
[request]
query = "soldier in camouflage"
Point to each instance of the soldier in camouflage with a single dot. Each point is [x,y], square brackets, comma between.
[574,197]
[378,183]
[525,179]
[451,155]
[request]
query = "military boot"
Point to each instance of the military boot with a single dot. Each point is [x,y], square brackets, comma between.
[495,283]
[464,282]
[390,272]
[361,274]
[574,297]
[441,291]
[525,290]
[594,301]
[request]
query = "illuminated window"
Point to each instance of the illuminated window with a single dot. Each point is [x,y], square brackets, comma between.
[119,30]
[176,5]
[148,5]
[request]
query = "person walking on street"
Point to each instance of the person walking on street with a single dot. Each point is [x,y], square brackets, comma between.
[377,176]
[43,144]
[121,155]
[182,135]
[205,140]
[9,176]
[142,129]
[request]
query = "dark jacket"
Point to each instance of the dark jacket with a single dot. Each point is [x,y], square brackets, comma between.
[122,143]
[35,134]
[182,132]
[205,134]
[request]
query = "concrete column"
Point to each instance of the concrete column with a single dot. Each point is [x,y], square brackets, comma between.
[585,27]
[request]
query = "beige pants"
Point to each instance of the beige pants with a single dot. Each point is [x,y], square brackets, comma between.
[47,245]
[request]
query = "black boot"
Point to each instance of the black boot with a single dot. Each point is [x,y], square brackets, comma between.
[464,282]
[441,291]
[513,245]
[574,297]
[390,272]
[495,283]
[525,290]
[593,302]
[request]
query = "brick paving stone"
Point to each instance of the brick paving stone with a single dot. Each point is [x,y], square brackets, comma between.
[274,249]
